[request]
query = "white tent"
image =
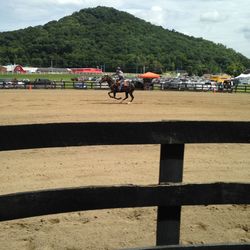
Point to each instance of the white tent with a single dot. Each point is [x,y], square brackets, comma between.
[243,78]
[30,69]
[10,67]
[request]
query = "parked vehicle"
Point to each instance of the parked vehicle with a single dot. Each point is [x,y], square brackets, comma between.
[138,82]
[80,85]
[6,83]
[174,85]
[1,83]
[43,83]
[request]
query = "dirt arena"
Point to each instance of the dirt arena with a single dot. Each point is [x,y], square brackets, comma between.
[26,170]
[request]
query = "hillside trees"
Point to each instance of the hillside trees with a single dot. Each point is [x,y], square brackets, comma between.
[106,37]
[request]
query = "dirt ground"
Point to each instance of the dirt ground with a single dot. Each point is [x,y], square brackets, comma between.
[26,170]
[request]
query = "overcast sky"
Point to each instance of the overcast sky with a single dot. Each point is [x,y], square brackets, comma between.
[220,21]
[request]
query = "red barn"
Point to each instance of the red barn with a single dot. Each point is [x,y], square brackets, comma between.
[19,69]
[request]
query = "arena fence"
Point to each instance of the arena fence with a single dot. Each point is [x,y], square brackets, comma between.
[241,88]
[169,195]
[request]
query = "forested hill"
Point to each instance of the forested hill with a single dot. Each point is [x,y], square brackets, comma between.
[107,37]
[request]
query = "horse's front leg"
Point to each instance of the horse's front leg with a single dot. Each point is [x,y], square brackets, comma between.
[109,93]
[117,98]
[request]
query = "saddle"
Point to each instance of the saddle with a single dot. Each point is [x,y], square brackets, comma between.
[125,84]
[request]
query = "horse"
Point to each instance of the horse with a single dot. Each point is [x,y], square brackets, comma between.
[128,87]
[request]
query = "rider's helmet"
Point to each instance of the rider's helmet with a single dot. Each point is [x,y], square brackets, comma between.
[118,68]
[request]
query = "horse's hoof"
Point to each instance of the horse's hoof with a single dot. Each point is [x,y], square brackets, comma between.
[129,102]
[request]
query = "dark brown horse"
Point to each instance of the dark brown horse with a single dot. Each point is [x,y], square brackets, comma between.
[128,87]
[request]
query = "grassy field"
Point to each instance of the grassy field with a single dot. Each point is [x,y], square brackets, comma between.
[53,77]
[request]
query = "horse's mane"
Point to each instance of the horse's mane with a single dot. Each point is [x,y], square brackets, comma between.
[109,76]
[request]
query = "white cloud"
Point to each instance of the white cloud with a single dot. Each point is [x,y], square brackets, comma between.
[246,33]
[213,16]
[156,8]
[63,2]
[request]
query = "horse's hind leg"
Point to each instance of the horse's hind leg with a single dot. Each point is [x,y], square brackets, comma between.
[132,96]
[126,97]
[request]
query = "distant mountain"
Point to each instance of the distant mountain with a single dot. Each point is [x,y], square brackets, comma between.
[107,38]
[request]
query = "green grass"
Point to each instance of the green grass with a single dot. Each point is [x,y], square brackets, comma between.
[53,77]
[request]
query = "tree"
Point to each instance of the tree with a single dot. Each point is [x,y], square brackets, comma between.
[107,36]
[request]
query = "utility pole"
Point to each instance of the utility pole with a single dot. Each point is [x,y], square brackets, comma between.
[51,65]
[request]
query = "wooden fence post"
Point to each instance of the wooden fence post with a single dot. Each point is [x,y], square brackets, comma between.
[171,170]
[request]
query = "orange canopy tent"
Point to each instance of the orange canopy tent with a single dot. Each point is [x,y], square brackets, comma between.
[149,75]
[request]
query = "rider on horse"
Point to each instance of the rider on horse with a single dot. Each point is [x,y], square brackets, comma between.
[120,75]
[130,87]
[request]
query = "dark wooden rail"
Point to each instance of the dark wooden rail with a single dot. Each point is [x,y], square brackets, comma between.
[169,195]
[14,137]
[28,204]
[243,246]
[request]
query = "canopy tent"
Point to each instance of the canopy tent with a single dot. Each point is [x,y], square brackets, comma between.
[149,75]
[242,79]
[243,76]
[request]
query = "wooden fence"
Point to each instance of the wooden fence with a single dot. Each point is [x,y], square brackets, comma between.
[156,86]
[243,88]
[169,195]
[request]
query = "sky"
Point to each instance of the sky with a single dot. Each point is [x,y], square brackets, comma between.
[221,21]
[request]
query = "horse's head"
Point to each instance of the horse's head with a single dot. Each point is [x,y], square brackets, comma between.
[103,79]
[108,79]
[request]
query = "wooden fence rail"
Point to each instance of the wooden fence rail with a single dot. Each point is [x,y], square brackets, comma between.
[169,195]
[239,246]
[28,204]
[14,137]
[91,84]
